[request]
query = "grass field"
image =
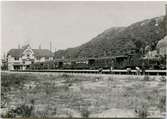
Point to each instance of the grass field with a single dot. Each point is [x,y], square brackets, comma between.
[64,95]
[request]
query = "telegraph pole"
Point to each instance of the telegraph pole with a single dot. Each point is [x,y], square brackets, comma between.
[51,46]
[166,19]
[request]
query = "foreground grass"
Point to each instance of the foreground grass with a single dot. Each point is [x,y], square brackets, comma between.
[47,95]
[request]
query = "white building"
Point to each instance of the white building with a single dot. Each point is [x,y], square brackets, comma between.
[162,46]
[22,58]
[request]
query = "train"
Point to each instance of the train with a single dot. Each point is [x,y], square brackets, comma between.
[115,62]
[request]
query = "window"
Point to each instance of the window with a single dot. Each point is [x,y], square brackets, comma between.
[38,58]
[46,58]
[28,55]
[16,58]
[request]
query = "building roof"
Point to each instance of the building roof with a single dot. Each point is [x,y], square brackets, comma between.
[37,52]
[15,52]
[42,52]
[162,43]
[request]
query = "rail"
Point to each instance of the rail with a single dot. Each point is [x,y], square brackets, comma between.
[147,72]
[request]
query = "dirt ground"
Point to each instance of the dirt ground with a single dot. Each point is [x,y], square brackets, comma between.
[65,95]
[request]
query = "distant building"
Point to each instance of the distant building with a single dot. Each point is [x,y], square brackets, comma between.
[151,54]
[22,58]
[162,46]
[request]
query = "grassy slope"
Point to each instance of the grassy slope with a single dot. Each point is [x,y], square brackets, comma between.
[65,95]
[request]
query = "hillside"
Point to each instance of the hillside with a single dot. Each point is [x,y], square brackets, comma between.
[119,40]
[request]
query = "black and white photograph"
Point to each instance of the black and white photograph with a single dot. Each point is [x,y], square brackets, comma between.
[83,59]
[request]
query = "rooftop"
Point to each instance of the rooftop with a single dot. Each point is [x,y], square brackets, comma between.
[37,52]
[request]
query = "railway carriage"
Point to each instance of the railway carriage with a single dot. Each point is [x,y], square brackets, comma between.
[116,62]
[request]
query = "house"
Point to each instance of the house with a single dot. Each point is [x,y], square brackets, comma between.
[162,46]
[151,54]
[22,58]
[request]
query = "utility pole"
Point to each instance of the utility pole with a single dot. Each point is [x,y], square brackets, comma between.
[19,46]
[166,19]
[4,56]
[39,46]
[51,46]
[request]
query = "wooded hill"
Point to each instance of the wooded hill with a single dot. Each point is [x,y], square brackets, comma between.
[119,40]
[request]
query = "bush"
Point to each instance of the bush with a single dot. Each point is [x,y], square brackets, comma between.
[146,78]
[65,76]
[142,111]
[110,79]
[85,113]
[98,78]
[23,111]
[162,103]
[163,78]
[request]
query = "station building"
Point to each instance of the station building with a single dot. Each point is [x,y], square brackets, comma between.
[22,58]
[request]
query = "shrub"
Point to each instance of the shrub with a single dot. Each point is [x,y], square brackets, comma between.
[69,114]
[65,76]
[162,103]
[66,87]
[85,113]
[23,111]
[9,114]
[146,78]
[162,78]
[98,78]
[142,111]
[110,79]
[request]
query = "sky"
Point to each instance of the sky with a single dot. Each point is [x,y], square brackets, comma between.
[67,24]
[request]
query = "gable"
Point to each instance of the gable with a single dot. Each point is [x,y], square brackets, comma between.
[28,51]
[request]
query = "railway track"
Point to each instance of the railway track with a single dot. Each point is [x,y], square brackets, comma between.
[123,72]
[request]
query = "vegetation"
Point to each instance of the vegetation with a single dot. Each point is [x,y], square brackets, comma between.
[162,103]
[85,113]
[142,111]
[64,95]
[121,40]
[163,78]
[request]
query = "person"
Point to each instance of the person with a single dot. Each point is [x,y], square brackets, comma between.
[128,70]
[111,68]
[137,71]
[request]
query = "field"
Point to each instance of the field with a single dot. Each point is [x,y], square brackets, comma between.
[64,95]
